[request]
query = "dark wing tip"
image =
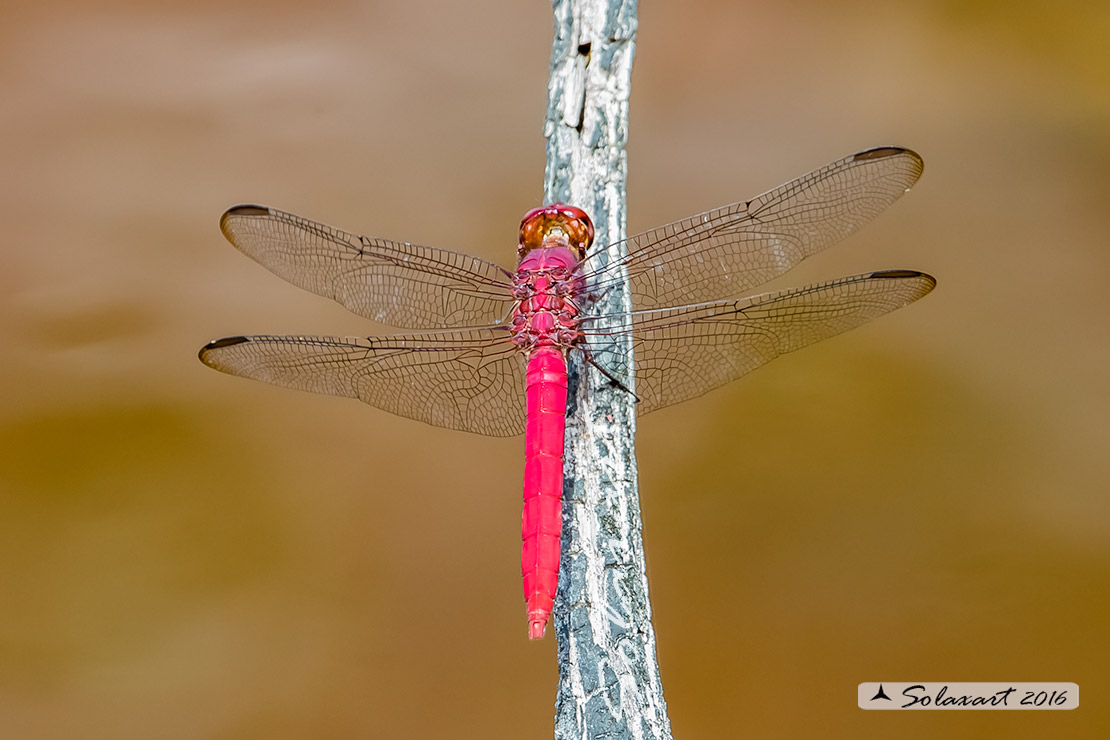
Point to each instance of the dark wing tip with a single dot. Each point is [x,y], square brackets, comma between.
[219,344]
[928,282]
[237,211]
[892,274]
[882,152]
[247,210]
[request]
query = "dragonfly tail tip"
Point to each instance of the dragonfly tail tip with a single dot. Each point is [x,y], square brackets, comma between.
[536,628]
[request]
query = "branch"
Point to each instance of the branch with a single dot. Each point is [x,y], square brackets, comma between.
[609,682]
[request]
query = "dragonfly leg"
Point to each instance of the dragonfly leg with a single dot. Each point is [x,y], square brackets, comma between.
[607,374]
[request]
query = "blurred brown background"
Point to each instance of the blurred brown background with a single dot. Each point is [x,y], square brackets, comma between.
[188,555]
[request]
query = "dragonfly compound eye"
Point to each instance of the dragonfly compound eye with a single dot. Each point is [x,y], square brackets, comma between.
[556,225]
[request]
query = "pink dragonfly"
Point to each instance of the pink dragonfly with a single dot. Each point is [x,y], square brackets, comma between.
[491,332]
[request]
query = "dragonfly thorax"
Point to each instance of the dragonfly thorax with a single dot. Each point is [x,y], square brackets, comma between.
[546,287]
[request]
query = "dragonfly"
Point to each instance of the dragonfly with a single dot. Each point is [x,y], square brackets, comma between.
[485,333]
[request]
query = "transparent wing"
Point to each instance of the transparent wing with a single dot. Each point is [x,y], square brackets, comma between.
[395,283]
[735,248]
[681,353]
[470,380]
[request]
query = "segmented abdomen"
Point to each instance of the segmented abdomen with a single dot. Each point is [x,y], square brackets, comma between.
[541,525]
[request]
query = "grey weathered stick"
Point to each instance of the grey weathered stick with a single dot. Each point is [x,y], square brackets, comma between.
[609,682]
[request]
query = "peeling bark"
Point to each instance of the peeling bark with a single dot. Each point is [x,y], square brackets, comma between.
[609,685]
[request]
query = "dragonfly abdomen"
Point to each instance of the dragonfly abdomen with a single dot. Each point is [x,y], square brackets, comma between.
[542,521]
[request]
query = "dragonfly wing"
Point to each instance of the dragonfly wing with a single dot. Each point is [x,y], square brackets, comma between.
[391,282]
[738,247]
[470,380]
[681,353]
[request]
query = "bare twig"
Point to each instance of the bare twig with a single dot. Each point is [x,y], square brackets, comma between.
[609,683]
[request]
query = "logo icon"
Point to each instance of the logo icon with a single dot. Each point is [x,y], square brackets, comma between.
[881,695]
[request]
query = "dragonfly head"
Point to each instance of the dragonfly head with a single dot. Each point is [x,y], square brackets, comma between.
[556,225]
